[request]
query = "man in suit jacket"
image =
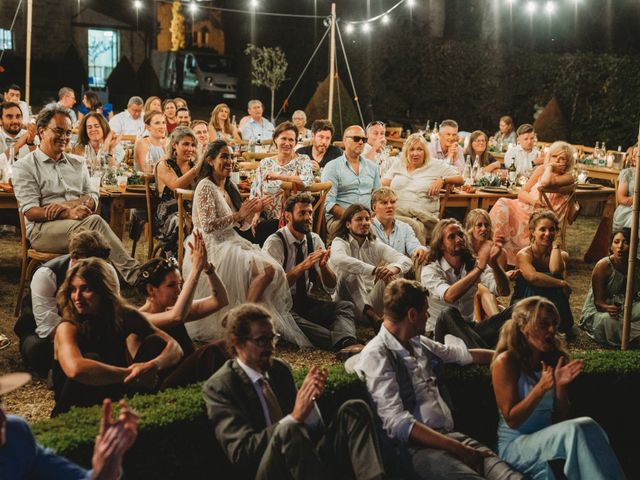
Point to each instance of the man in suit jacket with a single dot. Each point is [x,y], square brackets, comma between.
[266,428]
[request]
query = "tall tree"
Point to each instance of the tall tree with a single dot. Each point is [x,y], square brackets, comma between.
[268,68]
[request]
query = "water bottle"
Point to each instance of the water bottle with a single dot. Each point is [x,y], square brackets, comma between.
[476,170]
[467,172]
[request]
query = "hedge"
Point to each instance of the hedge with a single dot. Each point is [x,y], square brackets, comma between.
[176,440]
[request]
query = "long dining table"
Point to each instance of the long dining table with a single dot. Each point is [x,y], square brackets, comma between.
[120,202]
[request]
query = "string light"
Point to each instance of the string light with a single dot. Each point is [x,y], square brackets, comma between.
[254,3]
[137,4]
[411,3]
[385,19]
[531,7]
[367,24]
[193,8]
[349,28]
[550,7]
[366,27]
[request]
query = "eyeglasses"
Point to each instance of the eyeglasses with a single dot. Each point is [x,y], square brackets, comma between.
[378,123]
[358,138]
[265,340]
[59,132]
[167,264]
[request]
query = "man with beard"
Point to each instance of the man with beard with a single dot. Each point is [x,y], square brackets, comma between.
[12,132]
[354,178]
[13,93]
[269,430]
[364,265]
[183,117]
[301,252]
[55,194]
[452,277]
[321,151]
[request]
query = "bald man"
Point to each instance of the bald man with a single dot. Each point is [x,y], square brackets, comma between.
[354,178]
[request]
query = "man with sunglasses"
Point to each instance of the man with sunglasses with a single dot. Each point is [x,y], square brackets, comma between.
[56,196]
[354,178]
[267,428]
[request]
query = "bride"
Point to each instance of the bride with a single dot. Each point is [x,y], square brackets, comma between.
[248,274]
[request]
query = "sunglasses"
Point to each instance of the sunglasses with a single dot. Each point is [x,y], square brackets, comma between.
[358,138]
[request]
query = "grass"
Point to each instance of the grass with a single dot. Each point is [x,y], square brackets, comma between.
[35,401]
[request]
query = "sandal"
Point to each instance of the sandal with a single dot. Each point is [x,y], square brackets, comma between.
[4,341]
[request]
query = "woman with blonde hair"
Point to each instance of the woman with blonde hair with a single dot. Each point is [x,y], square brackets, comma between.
[151,104]
[510,217]
[220,127]
[417,180]
[479,230]
[531,373]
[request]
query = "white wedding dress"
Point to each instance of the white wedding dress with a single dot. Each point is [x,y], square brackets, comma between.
[233,257]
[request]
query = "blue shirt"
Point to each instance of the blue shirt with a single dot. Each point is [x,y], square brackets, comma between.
[349,188]
[252,129]
[402,239]
[21,457]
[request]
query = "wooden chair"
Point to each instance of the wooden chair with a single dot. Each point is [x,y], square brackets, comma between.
[564,211]
[31,258]
[256,156]
[151,198]
[443,200]
[321,189]
[182,195]
[128,138]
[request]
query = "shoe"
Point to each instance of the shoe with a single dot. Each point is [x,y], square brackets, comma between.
[4,341]
[344,353]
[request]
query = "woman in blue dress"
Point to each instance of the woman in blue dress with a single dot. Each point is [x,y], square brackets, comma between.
[531,374]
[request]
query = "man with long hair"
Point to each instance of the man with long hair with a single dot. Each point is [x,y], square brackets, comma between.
[452,277]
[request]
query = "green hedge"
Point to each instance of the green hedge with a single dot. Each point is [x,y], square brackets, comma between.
[176,440]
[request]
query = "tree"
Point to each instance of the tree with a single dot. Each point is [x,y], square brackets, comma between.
[268,68]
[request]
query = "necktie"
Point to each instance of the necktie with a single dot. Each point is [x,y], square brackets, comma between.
[275,412]
[301,282]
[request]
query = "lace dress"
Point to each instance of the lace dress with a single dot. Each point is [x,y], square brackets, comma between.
[234,258]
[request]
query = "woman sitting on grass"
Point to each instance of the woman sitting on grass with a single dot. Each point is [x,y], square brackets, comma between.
[169,305]
[602,311]
[103,346]
[543,267]
[531,373]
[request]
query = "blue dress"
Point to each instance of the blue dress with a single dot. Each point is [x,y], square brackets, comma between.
[581,442]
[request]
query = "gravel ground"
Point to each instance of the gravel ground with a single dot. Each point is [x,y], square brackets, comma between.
[35,401]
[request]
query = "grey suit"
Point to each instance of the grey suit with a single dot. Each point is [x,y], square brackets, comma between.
[286,449]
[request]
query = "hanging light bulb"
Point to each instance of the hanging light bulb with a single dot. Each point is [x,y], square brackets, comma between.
[137,4]
[411,3]
[254,4]
[531,7]
[385,19]
[349,28]
[550,7]
[193,8]
[366,27]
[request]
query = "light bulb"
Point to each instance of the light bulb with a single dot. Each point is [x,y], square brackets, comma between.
[531,7]
[349,28]
[137,4]
[385,19]
[366,27]
[550,8]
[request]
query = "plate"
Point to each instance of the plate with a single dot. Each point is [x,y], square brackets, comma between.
[135,188]
[589,186]
[494,189]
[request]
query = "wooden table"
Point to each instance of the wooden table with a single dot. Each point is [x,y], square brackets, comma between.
[599,247]
[119,203]
[602,173]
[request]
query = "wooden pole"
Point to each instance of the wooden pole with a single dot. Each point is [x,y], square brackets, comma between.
[633,249]
[27,75]
[332,60]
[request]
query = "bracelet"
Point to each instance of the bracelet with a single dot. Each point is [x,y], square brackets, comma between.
[481,269]
[210,268]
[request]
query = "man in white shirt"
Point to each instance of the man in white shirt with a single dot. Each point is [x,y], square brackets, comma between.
[67,99]
[270,430]
[398,369]
[130,121]
[524,155]
[13,93]
[452,278]
[12,133]
[257,127]
[363,264]
[446,147]
[40,316]
[376,147]
[301,252]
